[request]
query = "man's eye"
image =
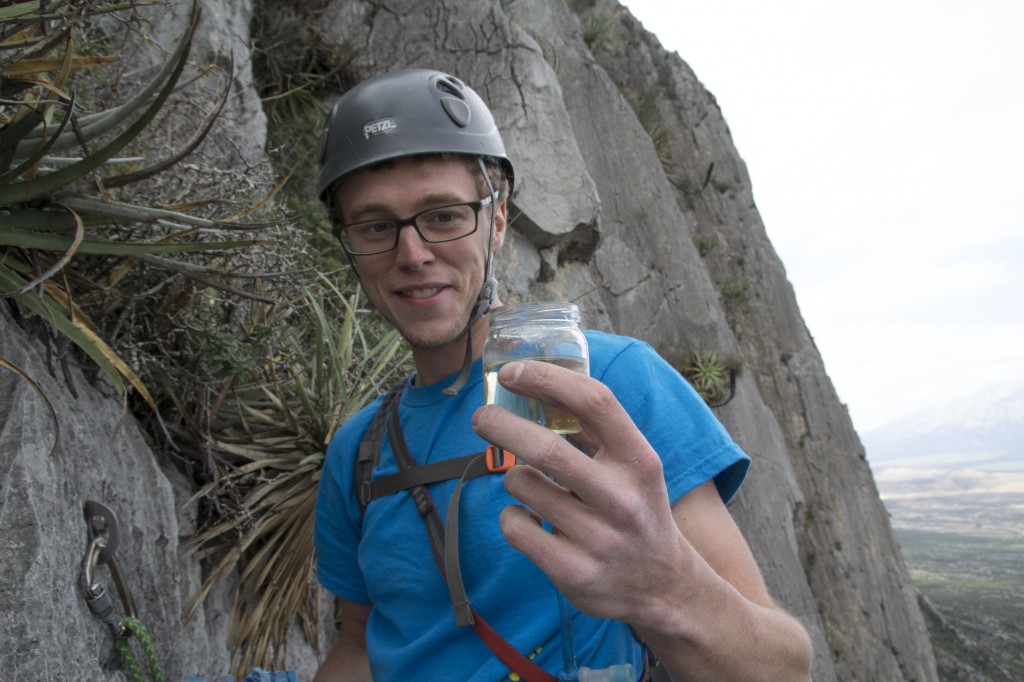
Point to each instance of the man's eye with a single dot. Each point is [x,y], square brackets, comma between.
[444,217]
[453,216]
[370,230]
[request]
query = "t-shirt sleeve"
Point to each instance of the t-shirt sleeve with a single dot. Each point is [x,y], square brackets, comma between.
[693,444]
[338,524]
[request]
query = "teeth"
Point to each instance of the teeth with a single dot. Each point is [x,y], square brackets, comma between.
[422,293]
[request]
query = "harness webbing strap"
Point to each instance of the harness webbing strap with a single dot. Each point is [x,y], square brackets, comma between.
[453,569]
[508,654]
[369,448]
[422,475]
[447,560]
[420,495]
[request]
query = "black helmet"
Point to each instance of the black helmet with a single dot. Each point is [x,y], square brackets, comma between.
[406,113]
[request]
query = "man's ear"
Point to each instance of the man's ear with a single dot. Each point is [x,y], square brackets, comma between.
[500,224]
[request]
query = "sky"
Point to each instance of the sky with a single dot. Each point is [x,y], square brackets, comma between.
[885,148]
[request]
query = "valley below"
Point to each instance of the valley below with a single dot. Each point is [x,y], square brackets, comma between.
[962,535]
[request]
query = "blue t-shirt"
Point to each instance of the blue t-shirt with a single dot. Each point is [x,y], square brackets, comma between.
[384,557]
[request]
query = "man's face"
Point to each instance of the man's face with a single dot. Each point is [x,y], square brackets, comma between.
[425,290]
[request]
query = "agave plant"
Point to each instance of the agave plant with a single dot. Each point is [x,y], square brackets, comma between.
[330,360]
[254,433]
[58,168]
[712,377]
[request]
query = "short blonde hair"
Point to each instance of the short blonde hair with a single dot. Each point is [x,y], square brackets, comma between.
[495,172]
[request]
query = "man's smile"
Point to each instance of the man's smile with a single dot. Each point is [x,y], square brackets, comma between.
[420,293]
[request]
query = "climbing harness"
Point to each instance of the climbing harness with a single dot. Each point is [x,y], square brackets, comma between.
[103,536]
[444,536]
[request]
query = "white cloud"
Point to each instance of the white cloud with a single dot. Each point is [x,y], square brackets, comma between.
[884,142]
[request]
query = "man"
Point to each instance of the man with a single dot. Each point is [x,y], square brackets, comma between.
[634,533]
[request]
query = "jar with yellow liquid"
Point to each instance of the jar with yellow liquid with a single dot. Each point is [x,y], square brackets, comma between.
[548,331]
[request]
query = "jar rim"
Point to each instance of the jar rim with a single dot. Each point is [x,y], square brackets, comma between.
[537,309]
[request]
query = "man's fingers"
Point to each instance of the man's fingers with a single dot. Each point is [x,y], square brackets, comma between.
[548,499]
[542,449]
[525,533]
[606,425]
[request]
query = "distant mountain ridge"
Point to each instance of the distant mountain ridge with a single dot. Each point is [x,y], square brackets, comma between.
[984,431]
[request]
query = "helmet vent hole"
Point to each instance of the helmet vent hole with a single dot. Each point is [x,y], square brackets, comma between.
[451,86]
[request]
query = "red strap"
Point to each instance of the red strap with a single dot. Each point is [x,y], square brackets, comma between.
[508,654]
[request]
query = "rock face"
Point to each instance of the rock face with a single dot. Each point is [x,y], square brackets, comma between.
[631,200]
[47,631]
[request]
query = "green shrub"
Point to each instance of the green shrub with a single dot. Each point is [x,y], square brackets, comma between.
[710,376]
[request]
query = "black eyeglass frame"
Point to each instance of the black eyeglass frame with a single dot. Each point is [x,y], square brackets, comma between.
[477,206]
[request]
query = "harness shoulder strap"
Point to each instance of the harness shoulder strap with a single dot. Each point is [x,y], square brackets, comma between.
[421,474]
[369,448]
[444,543]
[367,490]
[414,478]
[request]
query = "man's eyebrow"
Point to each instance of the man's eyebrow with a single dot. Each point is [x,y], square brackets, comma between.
[374,210]
[367,212]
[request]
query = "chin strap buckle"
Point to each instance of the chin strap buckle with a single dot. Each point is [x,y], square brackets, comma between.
[487,294]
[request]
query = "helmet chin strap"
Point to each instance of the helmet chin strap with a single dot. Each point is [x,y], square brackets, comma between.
[483,302]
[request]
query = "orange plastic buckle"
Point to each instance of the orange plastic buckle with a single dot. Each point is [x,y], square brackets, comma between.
[498,460]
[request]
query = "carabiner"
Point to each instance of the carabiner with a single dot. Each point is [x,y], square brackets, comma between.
[96,596]
[103,534]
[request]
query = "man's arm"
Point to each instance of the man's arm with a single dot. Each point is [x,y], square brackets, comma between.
[695,595]
[347,661]
[768,643]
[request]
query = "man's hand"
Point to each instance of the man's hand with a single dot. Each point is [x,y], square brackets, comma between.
[680,574]
[615,540]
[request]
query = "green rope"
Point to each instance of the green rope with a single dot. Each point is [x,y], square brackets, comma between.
[135,627]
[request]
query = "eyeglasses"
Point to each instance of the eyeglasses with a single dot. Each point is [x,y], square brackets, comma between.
[435,225]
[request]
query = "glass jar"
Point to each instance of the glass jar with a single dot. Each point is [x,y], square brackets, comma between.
[548,331]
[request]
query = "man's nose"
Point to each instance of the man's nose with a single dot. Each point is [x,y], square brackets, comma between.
[412,251]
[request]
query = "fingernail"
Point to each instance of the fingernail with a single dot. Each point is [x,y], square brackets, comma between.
[517,371]
[476,416]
